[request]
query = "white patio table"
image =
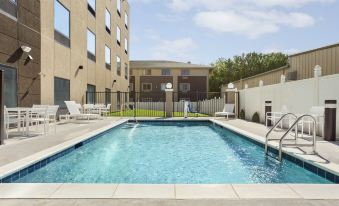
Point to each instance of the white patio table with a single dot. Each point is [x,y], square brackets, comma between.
[22,112]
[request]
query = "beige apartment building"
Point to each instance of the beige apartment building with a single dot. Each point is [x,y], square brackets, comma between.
[71,46]
[149,79]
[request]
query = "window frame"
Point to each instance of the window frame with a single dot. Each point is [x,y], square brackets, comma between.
[131,87]
[59,36]
[163,73]
[126,71]
[13,3]
[91,9]
[146,90]
[15,70]
[187,90]
[119,7]
[118,66]
[118,36]
[108,96]
[126,20]
[90,55]
[108,64]
[185,72]
[126,46]
[108,29]
[67,94]
[91,97]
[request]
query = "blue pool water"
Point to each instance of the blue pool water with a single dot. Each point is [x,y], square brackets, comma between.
[170,152]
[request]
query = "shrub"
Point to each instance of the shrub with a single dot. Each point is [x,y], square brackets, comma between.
[256,118]
[242,114]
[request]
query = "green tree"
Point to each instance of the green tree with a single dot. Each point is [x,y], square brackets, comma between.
[246,65]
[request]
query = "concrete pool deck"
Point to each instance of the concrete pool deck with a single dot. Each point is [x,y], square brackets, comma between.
[18,152]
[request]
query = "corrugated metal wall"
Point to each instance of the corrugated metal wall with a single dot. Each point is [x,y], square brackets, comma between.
[303,63]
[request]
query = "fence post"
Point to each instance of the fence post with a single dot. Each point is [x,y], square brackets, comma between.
[135,104]
[169,102]
[330,120]
[2,122]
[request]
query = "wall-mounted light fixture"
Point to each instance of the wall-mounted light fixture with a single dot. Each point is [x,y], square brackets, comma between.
[114,81]
[41,74]
[26,49]
[81,67]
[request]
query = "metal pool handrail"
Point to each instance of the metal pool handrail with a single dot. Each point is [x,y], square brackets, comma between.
[276,124]
[294,124]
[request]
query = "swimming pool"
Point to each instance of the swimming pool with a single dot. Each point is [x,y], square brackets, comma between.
[167,153]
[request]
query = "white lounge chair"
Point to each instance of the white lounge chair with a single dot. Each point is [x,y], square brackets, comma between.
[74,113]
[227,111]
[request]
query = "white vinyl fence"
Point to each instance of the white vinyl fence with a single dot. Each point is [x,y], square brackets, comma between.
[208,107]
[297,96]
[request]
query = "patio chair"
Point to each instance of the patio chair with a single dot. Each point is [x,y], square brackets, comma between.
[10,119]
[227,111]
[38,116]
[52,115]
[88,108]
[74,113]
[317,112]
[106,110]
[275,116]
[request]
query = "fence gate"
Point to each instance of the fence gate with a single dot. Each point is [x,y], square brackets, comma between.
[201,104]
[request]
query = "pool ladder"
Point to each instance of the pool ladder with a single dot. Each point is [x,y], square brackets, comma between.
[294,125]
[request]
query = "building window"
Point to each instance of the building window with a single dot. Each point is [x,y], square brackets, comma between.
[108,21]
[165,72]
[108,57]
[131,87]
[126,20]
[91,97]
[126,71]
[118,66]
[61,91]
[9,8]
[146,87]
[185,72]
[108,98]
[91,45]
[163,86]
[119,7]
[148,72]
[10,86]
[91,6]
[118,36]
[61,24]
[126,46]
[131,72]
[184,87]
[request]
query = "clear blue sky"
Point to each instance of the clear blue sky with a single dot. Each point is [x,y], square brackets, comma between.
[201,31]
